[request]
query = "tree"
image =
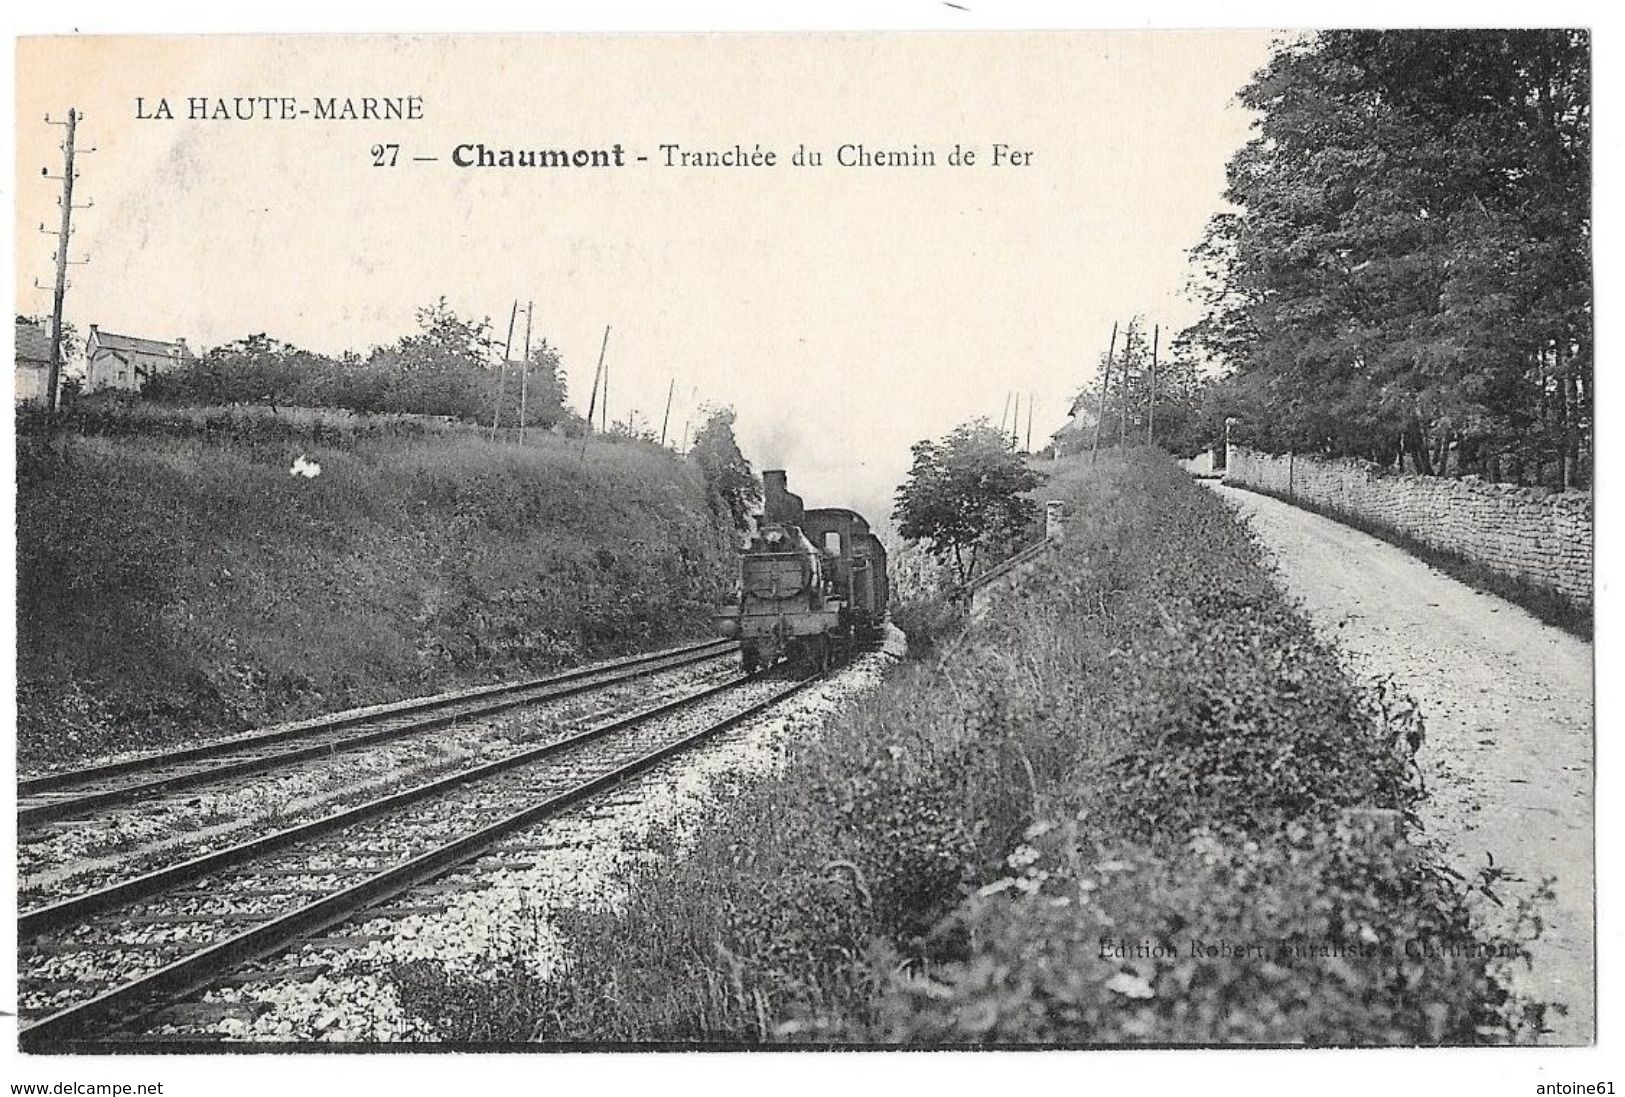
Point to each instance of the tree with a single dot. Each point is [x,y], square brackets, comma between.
[448,367]
[1126,410]
[544,388]
[445,368]
[446,341]
[634,428]
[1407,267]
[963,496]
[251,370]
[727,472]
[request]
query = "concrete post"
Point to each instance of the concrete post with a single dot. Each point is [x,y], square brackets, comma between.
[1053,512]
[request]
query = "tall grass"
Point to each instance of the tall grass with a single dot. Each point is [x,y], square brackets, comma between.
[1144,741]
[174,584]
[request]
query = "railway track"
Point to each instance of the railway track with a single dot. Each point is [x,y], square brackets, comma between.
[93,965]
[72,794]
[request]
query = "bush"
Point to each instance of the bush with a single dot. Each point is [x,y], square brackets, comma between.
[927,621]
[112,415]
[1327,935]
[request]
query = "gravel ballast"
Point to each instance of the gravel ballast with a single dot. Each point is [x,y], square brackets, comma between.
[505,905]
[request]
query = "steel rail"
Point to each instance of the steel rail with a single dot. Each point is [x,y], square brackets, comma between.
[198,970]
[47,781]
[55,916]
[422,715]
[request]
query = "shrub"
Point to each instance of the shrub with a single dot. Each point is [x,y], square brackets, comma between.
[1328,934]
[927,621]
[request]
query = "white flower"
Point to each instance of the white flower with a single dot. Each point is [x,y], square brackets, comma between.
[1130,986]
[303,466]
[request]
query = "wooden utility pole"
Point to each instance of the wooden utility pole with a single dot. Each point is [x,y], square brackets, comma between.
[1005,417]
[1122,387]
[53,378]
[1151,412]
[604,411]
[524,375]
[665,419]
[592,404]
[1029,422]
[502,377]
[1105,384]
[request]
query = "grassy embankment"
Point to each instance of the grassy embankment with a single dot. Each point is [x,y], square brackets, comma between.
[1139,802]
[175,579]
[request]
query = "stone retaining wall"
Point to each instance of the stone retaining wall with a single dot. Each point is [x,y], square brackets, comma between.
[1201,466]
[1538,536]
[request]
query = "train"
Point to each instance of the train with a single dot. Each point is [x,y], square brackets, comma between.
[813,584]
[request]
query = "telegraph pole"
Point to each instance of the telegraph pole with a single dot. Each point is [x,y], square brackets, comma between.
[1029,422]
[665,419]
[1122,387]
[1105,385]
[592,404]
[603,422]
[524,376]
[1151,412]
[54,377]
[502,378]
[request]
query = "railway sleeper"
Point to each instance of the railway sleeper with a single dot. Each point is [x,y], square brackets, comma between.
[350,940]
[252,893]
[181,918]
[209,1013]
[304,973]
[408,909]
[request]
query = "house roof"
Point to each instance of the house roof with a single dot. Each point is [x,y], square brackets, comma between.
[33,341]
[108,340]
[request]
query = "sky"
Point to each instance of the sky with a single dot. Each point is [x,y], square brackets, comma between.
[845,313]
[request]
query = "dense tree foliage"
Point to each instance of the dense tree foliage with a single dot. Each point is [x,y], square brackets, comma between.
[1406,274]
[450,366]
[733,482]
[963,496]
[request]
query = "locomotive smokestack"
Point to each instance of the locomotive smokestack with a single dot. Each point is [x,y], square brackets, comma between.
[778,504]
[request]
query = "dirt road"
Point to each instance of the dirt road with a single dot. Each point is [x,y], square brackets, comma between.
[1507,704]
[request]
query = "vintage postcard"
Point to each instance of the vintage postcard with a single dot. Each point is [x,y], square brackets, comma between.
[959,541]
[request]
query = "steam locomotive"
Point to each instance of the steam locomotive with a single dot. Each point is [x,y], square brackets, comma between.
[812,583]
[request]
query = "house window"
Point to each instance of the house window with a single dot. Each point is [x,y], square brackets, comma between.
[832,542]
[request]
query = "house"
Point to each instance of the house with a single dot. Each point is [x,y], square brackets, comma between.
[128,362]
[33,361]
[1077,433]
